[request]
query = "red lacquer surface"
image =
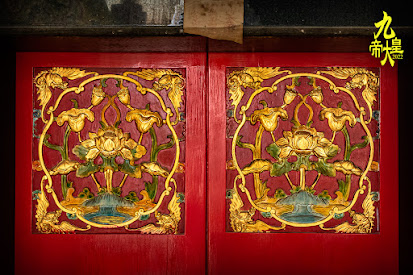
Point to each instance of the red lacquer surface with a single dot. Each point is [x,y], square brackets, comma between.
[113,253]
[293,253]
[228,252]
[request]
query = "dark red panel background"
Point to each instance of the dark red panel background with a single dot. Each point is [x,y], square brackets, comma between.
[321,253]
[113,253]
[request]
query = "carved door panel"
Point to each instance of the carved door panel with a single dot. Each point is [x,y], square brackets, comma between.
[114,188]
[302,154]
[303,147]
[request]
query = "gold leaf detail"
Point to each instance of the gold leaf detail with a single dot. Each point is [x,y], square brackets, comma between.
[359,77]
[111,142]
[303,140]
[154,169]
[48,222]
[167,79]
[180,168]
[236,95]
[70,73]
[75,118]
[43,81]
[140,151]
[230,165]
[362,223]
[65,167]
[124,96]
[36,166]
[97,95]
[268,117]
[344,73]
[175,83]
[241,220]
[44,94]
[150,74]
[259,74]
[152,229]
[257,166]
[347,167]
[251,77]
[375,166]
[53,78]
[144,119]
[289,96]
[337,118]
[317,95]
[167,223]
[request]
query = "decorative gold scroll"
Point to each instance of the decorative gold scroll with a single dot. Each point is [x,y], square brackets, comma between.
[108,208]
[311,148]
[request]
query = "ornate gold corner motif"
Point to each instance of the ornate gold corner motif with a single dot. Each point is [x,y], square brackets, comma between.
[109,149]
[362,222]
[308,124]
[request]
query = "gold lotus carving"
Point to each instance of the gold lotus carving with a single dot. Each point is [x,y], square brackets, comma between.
[314,150]
[108,150]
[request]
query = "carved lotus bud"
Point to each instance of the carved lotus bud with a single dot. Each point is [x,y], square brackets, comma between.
[144,119]
[317,95]
[347,168]
[97,95]
[337,118]
[268,117]
[75,118]
[124,96]
[289,96]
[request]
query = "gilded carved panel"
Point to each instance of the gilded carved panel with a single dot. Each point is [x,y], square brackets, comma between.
[302,149]
[108,150]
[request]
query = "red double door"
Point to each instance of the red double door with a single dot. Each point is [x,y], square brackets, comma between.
[234,163]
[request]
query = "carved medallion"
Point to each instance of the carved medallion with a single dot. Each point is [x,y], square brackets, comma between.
[302,149]
[108,150]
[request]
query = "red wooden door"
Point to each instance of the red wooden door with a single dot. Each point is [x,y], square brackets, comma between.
[302,164]
[110,163]
[302,154]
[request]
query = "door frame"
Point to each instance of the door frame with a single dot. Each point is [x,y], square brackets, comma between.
[182,44]
[113,253]
[279,251]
